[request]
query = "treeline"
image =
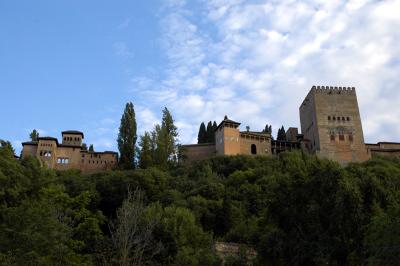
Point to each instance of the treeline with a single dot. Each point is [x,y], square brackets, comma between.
[293,209]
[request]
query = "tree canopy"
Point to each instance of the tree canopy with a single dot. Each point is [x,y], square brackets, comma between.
[293,209]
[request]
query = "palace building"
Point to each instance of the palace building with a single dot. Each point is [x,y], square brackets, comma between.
[330,124]
[69,153]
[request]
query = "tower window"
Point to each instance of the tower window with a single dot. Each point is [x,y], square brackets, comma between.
[343,118]
[341,137]
[332,137]
[348,118]
[334,118]
[329,117]
[351,137]
[253,149]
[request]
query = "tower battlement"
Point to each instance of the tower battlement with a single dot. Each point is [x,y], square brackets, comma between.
[333,89]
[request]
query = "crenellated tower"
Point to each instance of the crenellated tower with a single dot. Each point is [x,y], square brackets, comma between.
[330,120]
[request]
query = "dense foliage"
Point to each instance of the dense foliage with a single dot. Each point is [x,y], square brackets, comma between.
[293,209]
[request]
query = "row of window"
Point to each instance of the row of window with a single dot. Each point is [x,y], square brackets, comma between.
[62,160]
[92,155]
[342,137]
[72,139]
[338,118]
[46,144]
[97,162]
[45,153]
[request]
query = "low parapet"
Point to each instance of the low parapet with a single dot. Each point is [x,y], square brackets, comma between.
[333,89]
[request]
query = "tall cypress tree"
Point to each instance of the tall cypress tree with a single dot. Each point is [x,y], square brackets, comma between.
[145,151]
[215,125]
[201,137]
[34,135]
[166,140]
[127,138]
[210,133]
[91,148]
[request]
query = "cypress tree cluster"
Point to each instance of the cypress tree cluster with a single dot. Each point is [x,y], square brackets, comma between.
[281,134]
[207,135]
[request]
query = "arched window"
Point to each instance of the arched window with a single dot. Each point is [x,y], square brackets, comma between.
[253,149]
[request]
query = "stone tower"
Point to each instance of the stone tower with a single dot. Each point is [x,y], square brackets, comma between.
[72,138]
[330,120]
[227,136]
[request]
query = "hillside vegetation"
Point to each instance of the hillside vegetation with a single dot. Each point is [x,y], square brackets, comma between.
[292,209]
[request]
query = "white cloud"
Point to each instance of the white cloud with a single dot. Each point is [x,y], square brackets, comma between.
[256,60]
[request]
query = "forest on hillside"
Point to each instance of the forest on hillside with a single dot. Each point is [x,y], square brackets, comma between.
[293,209]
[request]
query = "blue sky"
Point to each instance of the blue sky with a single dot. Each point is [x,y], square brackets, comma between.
[74,64]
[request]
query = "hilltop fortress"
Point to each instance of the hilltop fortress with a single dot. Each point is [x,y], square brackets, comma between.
[330,127]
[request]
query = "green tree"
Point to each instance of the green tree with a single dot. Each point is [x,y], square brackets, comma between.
[166,146]
[268,129]
[210,132]
[201,137]
[127,138]
[132,235]
[34,135]
[184,242]
[145,151]
[84,147]
[91,148]
[281,134]
[383,237]
[6,145]
[215,125]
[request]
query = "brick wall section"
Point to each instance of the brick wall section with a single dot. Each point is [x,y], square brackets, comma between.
[195,152]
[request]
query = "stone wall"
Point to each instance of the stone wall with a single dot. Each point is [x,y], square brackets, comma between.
[196,152]
[331,121]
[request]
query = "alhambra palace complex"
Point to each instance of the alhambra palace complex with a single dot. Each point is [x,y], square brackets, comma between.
[69,154]
[330,125]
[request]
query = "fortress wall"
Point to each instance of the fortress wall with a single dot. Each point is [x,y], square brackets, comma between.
[197,152]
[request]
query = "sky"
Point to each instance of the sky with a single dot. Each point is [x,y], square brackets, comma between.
[75,64]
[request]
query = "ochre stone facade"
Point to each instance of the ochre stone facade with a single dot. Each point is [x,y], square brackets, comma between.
[330,124]
[230,141]
[69,154]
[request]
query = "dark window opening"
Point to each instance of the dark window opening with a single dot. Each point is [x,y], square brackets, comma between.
[348,118]
[341,137]
[253,149]
[329,118]
[334,118]
[332,137]
[351,137]
[343,118]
